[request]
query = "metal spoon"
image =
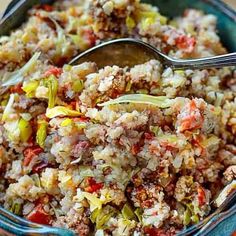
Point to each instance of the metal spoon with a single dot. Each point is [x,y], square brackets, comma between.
[129,52]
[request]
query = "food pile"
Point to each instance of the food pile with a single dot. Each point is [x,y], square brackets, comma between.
[113,151]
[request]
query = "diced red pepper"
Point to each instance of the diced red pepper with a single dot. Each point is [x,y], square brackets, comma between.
[38,215]
[47,7]
[17,89]
[30,153]
[53,71]
[151,231]
[93,186]
[201,196]
[186,43]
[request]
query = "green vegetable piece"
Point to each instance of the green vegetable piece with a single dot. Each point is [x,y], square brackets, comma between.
[195,219]
[138,212]
[41,134]
[61,111]
[101,216]
[30,87]
[187,217]
[25,130]
[16,208]
[36,179]
[154,129]
[128,86]
[78,85]
[127,212]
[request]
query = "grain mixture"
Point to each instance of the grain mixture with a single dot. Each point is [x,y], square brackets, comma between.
[113,151]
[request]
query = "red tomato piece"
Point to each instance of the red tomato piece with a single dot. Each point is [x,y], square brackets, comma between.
[201,196]
[47,7]
[53,71]
[186,43]
[17,89]
[38,215]
[193,119]
[30,153]
[151,231]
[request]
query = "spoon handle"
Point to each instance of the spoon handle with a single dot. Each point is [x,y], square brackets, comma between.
[204,63]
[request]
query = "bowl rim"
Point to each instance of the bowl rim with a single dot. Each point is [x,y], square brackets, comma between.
[218,4]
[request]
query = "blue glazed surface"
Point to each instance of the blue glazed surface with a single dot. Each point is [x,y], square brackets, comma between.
[221,225]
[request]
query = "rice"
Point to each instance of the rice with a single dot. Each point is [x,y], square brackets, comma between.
[144,167]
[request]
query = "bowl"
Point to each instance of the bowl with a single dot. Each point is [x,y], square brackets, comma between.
[224,223]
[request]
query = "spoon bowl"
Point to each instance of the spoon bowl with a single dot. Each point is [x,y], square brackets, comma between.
[129,52]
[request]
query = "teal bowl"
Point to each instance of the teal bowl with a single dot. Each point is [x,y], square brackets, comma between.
[223,224]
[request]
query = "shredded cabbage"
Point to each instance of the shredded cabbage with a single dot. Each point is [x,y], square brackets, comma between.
[95,203]
[213,140]
[225,193]
[52,84]
[9,107]
[130,23]
[170,138]
[17,77]
[101,216]
[77,85]
[30,87]
[66,122]
[127,212]
[61,38]
[160,101]
[41,134]
[61,111]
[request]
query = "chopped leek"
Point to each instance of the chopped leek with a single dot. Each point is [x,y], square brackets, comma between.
[30,87]
[52,84]
[25,130]
[17,77]
[160,101]
[41,134]
[61,111]
[127,212]
[138,213]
